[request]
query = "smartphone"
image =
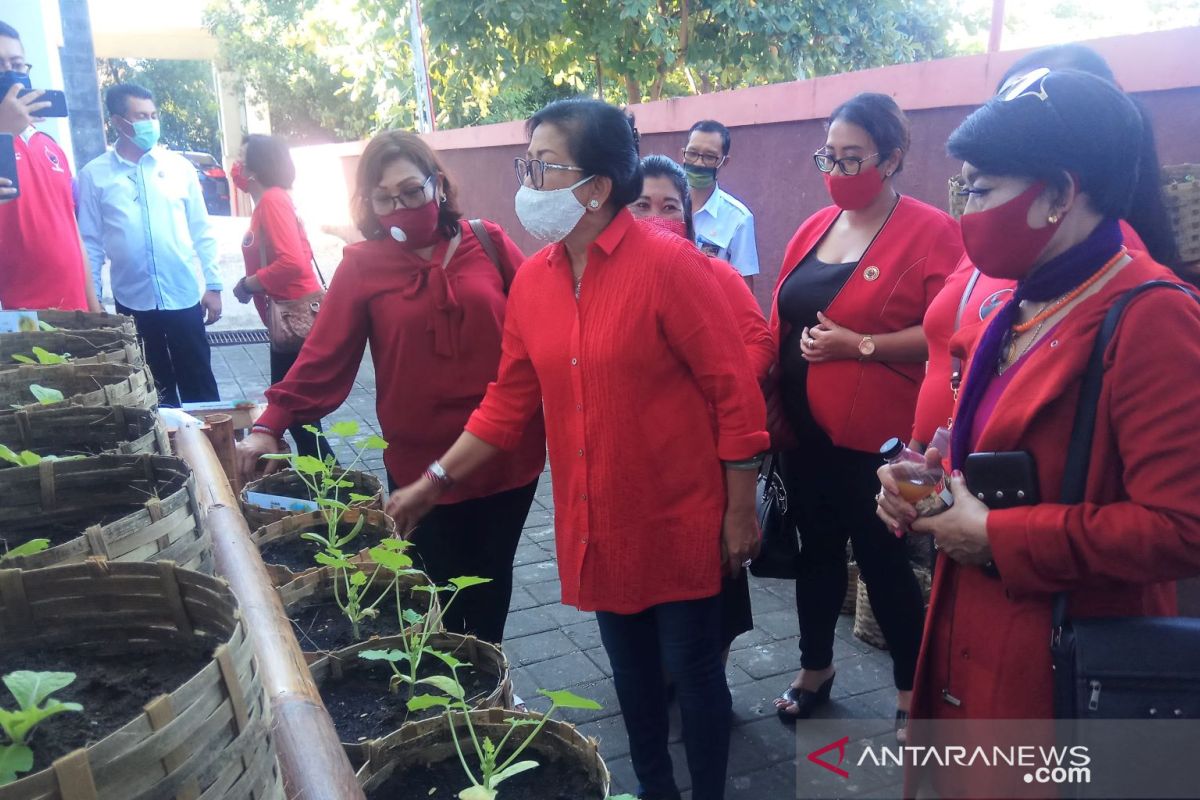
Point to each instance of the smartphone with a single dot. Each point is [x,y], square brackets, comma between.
[57,100]
[8,163]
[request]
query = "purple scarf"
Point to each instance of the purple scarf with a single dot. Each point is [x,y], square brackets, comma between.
[1052,280]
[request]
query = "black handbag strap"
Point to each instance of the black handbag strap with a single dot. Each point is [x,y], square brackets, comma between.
[489,247]
[1079,450]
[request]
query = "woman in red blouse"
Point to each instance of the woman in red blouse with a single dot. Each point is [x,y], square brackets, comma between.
[425,293]
[654,423]
[265,171]
[855,283]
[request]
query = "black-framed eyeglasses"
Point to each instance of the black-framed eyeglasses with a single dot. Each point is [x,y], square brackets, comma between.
[1029,84]
[851,165]
[22,67]
[535,170]
[408,198]
[703,159]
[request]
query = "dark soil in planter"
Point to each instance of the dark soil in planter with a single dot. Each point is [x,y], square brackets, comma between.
[112,688]
[64,529]
[552,780]
[363,708]
[297,554]
[320,626]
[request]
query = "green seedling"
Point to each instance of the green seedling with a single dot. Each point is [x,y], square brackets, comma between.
[352,587]
[32,692]
[28,458]
[45,326]
[43,356]
[26,549]
[493,769]
[415,632]
[43,395]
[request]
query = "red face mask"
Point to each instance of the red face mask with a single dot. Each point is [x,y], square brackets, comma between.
[855,192]
[1000,242]
[675,226]
[414,228]
[238,176]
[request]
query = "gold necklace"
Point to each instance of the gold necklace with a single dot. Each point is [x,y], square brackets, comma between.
[1010,355]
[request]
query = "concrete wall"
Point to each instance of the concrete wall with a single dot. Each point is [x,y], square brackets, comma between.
[78,60]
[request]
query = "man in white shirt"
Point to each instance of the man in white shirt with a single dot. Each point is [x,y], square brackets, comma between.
[724,226]
[142,206]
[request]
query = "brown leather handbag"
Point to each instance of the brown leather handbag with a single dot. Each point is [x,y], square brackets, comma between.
[290,321]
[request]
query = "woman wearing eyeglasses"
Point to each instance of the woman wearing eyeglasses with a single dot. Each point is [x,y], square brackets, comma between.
[654,423]
[426,294]
[1047,217]
[855,282]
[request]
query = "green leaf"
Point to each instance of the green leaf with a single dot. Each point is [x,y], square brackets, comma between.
[449,660]
[309,536]
[327,560]
[358,578]
[45,395]
[309,465]
[344,428]
[448,686]
[389,559]
[278,456]
[392,656]
[622,797]
[513,769]
[424,701]
[45,326]
[565,699]
[23,359]
[467,582]
[31,688]
[31,459]
[373,442]
[477,793]
[27,549]
[313,429]
[7,454]
[411,617]
[14,758]
[355,497]
[44,356]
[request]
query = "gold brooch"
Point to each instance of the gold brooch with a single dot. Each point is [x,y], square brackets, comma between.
[871,273]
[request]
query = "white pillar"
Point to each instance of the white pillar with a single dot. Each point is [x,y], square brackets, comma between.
[40,26]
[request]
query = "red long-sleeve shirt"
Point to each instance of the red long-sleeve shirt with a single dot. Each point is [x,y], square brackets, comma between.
[435,342]
[630,376]
[752,325]
[289,274]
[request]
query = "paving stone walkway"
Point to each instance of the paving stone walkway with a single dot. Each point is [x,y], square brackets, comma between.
[554,646]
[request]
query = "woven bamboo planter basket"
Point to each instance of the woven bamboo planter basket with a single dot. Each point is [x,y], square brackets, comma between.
[958,201]
[84,430]
[210,738]
[288,484]
[318,586]
[376,527]
[484,656]
[125,508]
[85,320]
[850,601]
[103,346]
[1181,195]
[865,626]
[428,741]
[81,385]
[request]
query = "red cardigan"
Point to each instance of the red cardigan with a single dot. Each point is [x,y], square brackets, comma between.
[987,640]
[630,377]
[860,404]
[756,334]
[435,343]
[289,274]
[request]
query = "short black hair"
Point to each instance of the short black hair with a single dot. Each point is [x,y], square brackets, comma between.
[269,160]
[602,139]
[1087,128]
[657,166]
[881,118]
[116,99]
[1148,214]
[9,31]
[712,126]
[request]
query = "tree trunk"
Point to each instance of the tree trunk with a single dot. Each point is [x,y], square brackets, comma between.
[633,89]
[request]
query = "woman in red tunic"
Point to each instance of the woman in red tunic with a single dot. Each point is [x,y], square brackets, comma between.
[654,422]
[855,282]
[425,292]
[1047,217]
[265,171]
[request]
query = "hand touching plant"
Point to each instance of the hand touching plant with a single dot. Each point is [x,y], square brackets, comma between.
[32,692]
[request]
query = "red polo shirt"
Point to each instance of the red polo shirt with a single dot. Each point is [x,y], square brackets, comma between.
[41,260]
[646,387]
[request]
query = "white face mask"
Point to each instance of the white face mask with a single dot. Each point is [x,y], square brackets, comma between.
[550,215]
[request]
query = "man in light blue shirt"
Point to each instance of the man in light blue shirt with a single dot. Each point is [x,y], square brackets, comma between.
[142,207]
[724,226]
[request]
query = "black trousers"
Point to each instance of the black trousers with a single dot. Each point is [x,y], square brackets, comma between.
[177,353]
[474,538]
[832,493]
[307,443]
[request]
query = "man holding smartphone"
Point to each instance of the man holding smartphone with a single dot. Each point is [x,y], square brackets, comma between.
[42,263]
[141,206]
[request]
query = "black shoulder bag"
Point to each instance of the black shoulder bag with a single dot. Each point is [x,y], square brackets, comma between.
[779,555]
[1123,668]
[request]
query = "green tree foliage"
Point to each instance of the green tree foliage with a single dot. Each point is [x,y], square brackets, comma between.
[184,92]
[342,68]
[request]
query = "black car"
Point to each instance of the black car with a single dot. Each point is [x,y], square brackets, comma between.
[213,182]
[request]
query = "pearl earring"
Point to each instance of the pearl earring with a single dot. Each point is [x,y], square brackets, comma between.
[593,204]
[1053,218]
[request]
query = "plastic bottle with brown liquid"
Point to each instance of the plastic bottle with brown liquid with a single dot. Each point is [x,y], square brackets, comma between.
[920,485]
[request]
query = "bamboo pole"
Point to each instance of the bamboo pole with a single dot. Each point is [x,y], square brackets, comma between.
[311,758]
[220,434]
